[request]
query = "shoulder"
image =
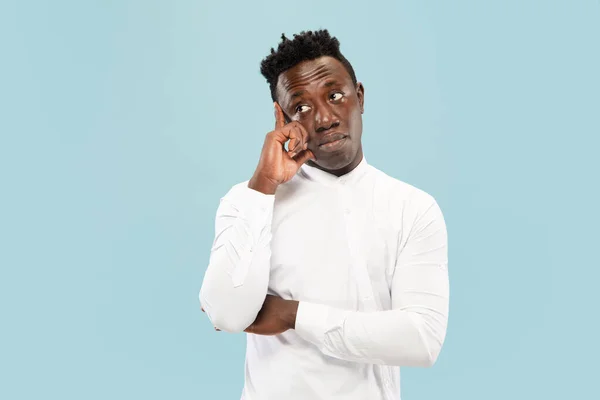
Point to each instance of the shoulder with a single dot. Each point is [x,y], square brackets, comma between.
[409,209]
[398,191]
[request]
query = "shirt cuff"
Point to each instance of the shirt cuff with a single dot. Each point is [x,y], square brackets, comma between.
[254,206]
[311,322]
[250,200]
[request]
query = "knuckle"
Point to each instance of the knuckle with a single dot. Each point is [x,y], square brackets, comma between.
[270,137]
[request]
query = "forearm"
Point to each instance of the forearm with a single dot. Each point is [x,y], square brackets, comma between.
[231,307]
[394,337]
[413,331]
[236,280]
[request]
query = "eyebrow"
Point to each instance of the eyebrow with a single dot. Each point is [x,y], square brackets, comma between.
[301,92]
[297,94]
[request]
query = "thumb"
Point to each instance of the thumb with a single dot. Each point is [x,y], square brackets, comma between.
[303,157]
[279,117]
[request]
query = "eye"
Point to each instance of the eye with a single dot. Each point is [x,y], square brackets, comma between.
[337,96]
[302,108]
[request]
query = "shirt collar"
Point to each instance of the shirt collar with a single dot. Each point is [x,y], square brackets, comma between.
[320,176]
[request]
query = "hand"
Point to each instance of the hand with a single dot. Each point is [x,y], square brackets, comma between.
[276,316]
[276,165]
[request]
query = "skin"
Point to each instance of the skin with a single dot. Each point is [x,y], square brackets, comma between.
[317,103]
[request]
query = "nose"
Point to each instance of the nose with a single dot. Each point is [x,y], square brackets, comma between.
[325,119]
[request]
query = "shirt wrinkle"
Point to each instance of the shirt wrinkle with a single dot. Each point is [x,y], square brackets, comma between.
[356,252]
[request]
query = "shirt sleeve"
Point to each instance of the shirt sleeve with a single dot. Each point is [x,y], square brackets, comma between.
[413,331]
[236,281]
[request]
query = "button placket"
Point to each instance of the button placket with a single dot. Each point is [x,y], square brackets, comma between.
[355,247]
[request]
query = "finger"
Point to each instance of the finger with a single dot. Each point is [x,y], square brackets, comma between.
[304,156]
[303,133]
[279,117]
[303,137]
[295,140]
[286,133]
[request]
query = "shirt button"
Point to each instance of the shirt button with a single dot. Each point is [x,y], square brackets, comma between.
[347,211]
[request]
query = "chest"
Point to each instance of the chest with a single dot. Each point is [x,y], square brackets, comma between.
[333,246]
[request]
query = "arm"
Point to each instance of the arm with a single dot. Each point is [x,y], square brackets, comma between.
[236,280]
[413,331]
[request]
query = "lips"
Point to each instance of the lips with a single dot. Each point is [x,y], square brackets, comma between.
[332,137]
[333,143]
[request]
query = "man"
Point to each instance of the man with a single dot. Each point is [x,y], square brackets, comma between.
[336,271]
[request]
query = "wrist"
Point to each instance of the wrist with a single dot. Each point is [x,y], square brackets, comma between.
[262,185]
[291,310]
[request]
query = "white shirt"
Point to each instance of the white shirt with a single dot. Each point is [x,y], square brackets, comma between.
[366,257]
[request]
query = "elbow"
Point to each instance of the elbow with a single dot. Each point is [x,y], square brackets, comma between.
[423,357]
[227,318]
[432,347]
[430,356]
[230,323]
[431,337]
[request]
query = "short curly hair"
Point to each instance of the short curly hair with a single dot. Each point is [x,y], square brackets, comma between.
[307,45]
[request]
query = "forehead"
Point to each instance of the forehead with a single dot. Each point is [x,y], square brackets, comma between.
[307,73]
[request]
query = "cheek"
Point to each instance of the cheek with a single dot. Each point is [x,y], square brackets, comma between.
[354,116]
[307,123]
[351,109]
[308,126]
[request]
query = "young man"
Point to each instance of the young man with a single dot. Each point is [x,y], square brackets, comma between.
[337,272]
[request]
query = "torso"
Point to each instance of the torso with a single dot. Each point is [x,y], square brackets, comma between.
[332,244]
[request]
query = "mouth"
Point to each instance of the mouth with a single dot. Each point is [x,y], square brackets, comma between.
[332,142]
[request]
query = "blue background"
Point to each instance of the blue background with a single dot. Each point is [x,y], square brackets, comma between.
[124,122]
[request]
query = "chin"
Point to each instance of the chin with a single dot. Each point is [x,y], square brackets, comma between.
[335,163]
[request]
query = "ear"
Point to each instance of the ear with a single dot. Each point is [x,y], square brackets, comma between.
[360,92]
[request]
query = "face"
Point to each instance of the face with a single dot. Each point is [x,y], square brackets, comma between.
[320,95]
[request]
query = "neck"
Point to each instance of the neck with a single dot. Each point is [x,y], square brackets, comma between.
[343,170]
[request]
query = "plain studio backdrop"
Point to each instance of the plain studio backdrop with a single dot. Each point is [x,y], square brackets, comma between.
[123,123]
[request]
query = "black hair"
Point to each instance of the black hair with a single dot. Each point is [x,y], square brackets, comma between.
[307,45]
